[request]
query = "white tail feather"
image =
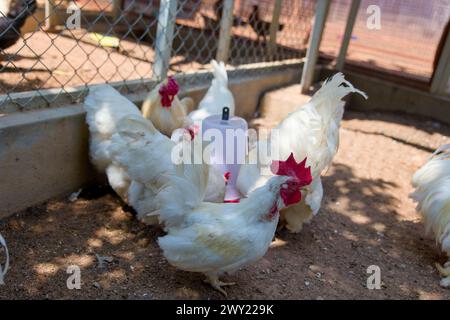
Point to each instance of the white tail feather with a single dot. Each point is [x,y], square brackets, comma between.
[220,73]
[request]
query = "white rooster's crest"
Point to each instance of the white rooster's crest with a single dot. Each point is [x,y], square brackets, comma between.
[4,269]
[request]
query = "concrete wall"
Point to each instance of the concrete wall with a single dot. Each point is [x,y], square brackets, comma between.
[44,152]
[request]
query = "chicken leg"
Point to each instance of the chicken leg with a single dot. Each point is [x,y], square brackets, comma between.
[214,281]
[445,272]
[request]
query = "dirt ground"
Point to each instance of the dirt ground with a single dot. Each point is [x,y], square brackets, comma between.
[366,219]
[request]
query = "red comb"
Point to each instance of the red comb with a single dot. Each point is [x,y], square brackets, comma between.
[168,92]
[292,169]
[227,176]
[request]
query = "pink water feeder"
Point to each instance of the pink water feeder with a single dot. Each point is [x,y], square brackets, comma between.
[228,136]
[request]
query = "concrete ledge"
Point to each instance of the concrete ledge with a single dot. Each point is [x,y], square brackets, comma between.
[44,152]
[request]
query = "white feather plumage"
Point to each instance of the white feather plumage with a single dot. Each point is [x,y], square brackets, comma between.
[216,238]
[146,156]
[432,193]
[105,107]
[217,96]
[134,154]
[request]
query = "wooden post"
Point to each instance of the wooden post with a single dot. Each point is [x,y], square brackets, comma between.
[226,23]
[274,27]
[312,53]
[164,38]
[351,19]
[442,73]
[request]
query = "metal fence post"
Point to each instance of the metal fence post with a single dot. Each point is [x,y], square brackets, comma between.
[116,8]
[51,19]
[312,53]
[274,27]
[164,38]
[442,74]
[226,23]
[351,19]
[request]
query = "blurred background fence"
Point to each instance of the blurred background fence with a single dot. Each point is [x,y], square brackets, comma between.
[405,45]
[123,41]
[65,44]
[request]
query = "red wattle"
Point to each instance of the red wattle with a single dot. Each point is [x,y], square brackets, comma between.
[290,196]
[232,201]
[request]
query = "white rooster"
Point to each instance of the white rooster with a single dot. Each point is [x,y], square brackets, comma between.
[215,238]
[432,184]
[4,270]
[311,131]
[217,97]
[165,110]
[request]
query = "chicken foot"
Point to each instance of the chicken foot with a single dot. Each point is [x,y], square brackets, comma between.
[445,272]
[214,281]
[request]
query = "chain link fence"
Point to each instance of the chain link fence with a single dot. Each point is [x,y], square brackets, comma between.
[406,43]
[64,45]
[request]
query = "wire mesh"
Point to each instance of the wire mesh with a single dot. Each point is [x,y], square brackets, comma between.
[405,44]
[115,41]
[251,39]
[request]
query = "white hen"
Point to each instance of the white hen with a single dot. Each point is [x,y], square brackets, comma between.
[216,238]
[123,143]
[311,131]
[432,184]
[105,107]
[149,157]
[4,270]
[217,97]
